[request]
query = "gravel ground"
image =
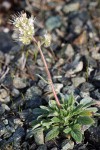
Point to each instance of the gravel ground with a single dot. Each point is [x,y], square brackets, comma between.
[74,62]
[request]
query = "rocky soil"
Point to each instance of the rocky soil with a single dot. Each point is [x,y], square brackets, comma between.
[74,62]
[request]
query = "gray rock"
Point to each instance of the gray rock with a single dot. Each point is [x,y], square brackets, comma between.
[53,22]
[5,107]
[95,94]
[42,147]
[17,135]
[3,93]
[94,134]
[8,131]
[25,114]
[19,83]
[67,145]
[71,7]
[78,80]
[69,52]
[2,110]
[68,89]
[2,129]
[31,92]
[57,86]
[86,87]
[35,101]
[6,46]
[8,81]
[5,122]
[54,148]
[15,92]
[33,97]
[96,80]
[39,136]
[42,84]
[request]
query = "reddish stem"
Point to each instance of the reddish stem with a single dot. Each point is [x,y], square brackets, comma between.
[47,71]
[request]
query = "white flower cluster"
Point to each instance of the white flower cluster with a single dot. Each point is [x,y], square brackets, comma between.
[24,27]
[47,40]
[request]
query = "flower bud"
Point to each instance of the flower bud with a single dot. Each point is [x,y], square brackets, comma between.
[47,40]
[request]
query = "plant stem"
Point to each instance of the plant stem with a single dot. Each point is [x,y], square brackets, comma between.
[48,72]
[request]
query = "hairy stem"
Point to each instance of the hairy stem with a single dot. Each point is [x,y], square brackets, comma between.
[47,71]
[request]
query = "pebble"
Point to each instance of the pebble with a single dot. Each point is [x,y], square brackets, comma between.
[3,93]
[69,52]
[53,22]
[31,92]
[71,7]
[39,137]
[86,87]
[42,147]
[34,102]
[2,110]
[57,86]
[67,145]
[15,92]
[95,94]
[96,80]
[78,80]
[19,83]
[6,46]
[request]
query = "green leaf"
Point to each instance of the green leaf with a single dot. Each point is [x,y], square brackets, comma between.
[76,134]
[67,130]
[71,100]
[52,133]
[44,108]
[86,113]
[35,124]
[52,104]
[77,109]
[87,102]
[46,123]
[92,109]
[55,120]
[85,120]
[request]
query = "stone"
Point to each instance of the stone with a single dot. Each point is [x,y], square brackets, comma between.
[53,22]
[67,145]
[69,52]
[57,86]
[3,93]
[78,80]
[15,92]
[42,84]
[39,136]
[96,80]
[2,110]
[19,83]
[33,97]
[35,101]
[42,147]
[86,87]
[6,107]
[71,7]
[6,42]
[31,92]
[94,134]
[54,148]
[95,94]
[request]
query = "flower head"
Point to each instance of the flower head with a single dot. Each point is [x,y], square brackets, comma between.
[47,40]
[24,27]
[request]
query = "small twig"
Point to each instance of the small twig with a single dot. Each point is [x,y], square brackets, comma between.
[7,70]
